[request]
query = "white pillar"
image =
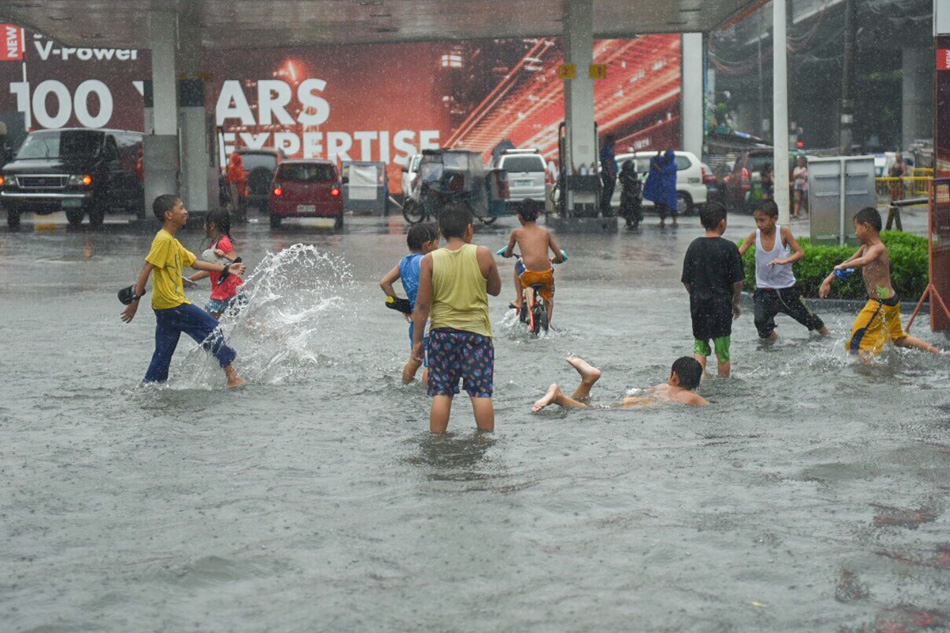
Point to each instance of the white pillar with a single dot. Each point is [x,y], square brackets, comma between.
[579,96]
[691,115]
[198,179]
[161,141]
[780,110]
[163,36]
[917,95]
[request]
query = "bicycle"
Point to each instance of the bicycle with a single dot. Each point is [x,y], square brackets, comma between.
[534,309]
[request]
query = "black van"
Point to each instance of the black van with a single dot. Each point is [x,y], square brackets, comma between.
[75,170]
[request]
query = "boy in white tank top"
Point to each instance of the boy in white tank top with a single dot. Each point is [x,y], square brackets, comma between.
[776,291]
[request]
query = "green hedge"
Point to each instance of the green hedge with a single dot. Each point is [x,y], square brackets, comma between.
[909,270]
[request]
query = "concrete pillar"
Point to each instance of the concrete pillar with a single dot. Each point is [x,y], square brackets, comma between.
[161,103]
[917,96]
[780,110]
[691,115]
[579,99]
[198,174]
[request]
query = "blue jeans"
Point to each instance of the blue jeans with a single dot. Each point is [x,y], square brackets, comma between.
[196,323]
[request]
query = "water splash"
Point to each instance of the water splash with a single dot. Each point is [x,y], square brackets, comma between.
[294,299]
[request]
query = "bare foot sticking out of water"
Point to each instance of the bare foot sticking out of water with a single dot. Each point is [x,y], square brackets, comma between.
[548,398]
[589,373]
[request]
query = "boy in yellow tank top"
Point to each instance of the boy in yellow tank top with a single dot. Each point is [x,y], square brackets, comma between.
[454,284]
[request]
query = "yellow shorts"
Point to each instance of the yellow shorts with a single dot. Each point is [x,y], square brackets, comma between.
[545,279]
[878,323]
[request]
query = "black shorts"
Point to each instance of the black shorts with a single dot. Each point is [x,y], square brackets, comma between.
[769,302]
[712,317]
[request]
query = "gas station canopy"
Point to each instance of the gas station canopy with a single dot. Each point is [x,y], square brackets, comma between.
[252,23]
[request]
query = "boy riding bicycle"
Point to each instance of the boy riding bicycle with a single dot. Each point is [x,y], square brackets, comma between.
[535,265]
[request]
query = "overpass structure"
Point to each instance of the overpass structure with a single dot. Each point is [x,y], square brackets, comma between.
[177,150]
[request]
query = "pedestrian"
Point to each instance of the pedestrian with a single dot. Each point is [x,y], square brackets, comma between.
[898,171]
[661,185]
[768,182]
[238,182]
[800,186]
[608,173]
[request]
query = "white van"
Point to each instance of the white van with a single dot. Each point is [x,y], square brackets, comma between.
[526,170]
[409,171]
[690,189]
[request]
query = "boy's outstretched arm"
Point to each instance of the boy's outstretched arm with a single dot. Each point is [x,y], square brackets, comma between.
[747,244]
[129,313]
[857,255]
[423,304]
[237,269]
[870,254]
[511,244]
[386,283]
[797,251]
[825,288]
[555,248]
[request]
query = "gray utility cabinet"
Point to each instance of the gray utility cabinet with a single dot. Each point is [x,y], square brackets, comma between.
[838,187]
[365,186]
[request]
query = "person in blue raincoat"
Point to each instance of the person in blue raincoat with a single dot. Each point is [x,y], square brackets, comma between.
[660,187]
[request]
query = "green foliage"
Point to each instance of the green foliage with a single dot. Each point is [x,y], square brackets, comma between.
[909,270]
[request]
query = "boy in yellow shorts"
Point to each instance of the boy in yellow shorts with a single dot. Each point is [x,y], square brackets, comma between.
[535,265]
[880,320]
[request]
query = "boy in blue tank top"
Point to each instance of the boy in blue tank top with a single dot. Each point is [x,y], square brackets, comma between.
[776,291]
[421,240]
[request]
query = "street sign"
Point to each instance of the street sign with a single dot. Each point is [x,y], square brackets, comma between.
[598,71]
[13,43]
[943,59]
[567,71]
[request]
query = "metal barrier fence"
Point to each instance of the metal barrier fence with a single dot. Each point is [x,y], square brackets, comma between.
[887,189]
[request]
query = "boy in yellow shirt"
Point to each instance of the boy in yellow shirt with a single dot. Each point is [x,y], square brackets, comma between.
[174,313]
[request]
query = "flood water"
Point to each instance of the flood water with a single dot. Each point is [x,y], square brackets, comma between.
[811,496]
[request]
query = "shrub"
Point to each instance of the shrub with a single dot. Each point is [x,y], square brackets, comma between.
[909,269]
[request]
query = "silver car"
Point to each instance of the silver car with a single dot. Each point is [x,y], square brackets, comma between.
[526,170]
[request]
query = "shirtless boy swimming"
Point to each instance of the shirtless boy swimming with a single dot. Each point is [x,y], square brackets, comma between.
[685,376]
[880,320]
[535,265]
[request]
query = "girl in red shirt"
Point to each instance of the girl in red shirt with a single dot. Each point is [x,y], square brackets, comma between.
[224,292]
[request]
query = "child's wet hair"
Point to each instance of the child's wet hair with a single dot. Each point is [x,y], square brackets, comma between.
[420,234]
[869,215]
[455,220]
[768,207]
[163,203]
[711,215]
[221,219]
[529,209]
[689,370]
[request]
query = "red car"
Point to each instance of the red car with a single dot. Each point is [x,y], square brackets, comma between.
[306,188]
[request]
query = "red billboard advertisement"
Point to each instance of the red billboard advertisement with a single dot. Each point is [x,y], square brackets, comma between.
[12,45]
[381,102]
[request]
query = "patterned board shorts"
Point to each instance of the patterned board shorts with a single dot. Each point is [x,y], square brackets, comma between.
[454,354]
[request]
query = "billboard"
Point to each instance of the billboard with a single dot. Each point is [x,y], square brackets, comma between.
[380,102]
